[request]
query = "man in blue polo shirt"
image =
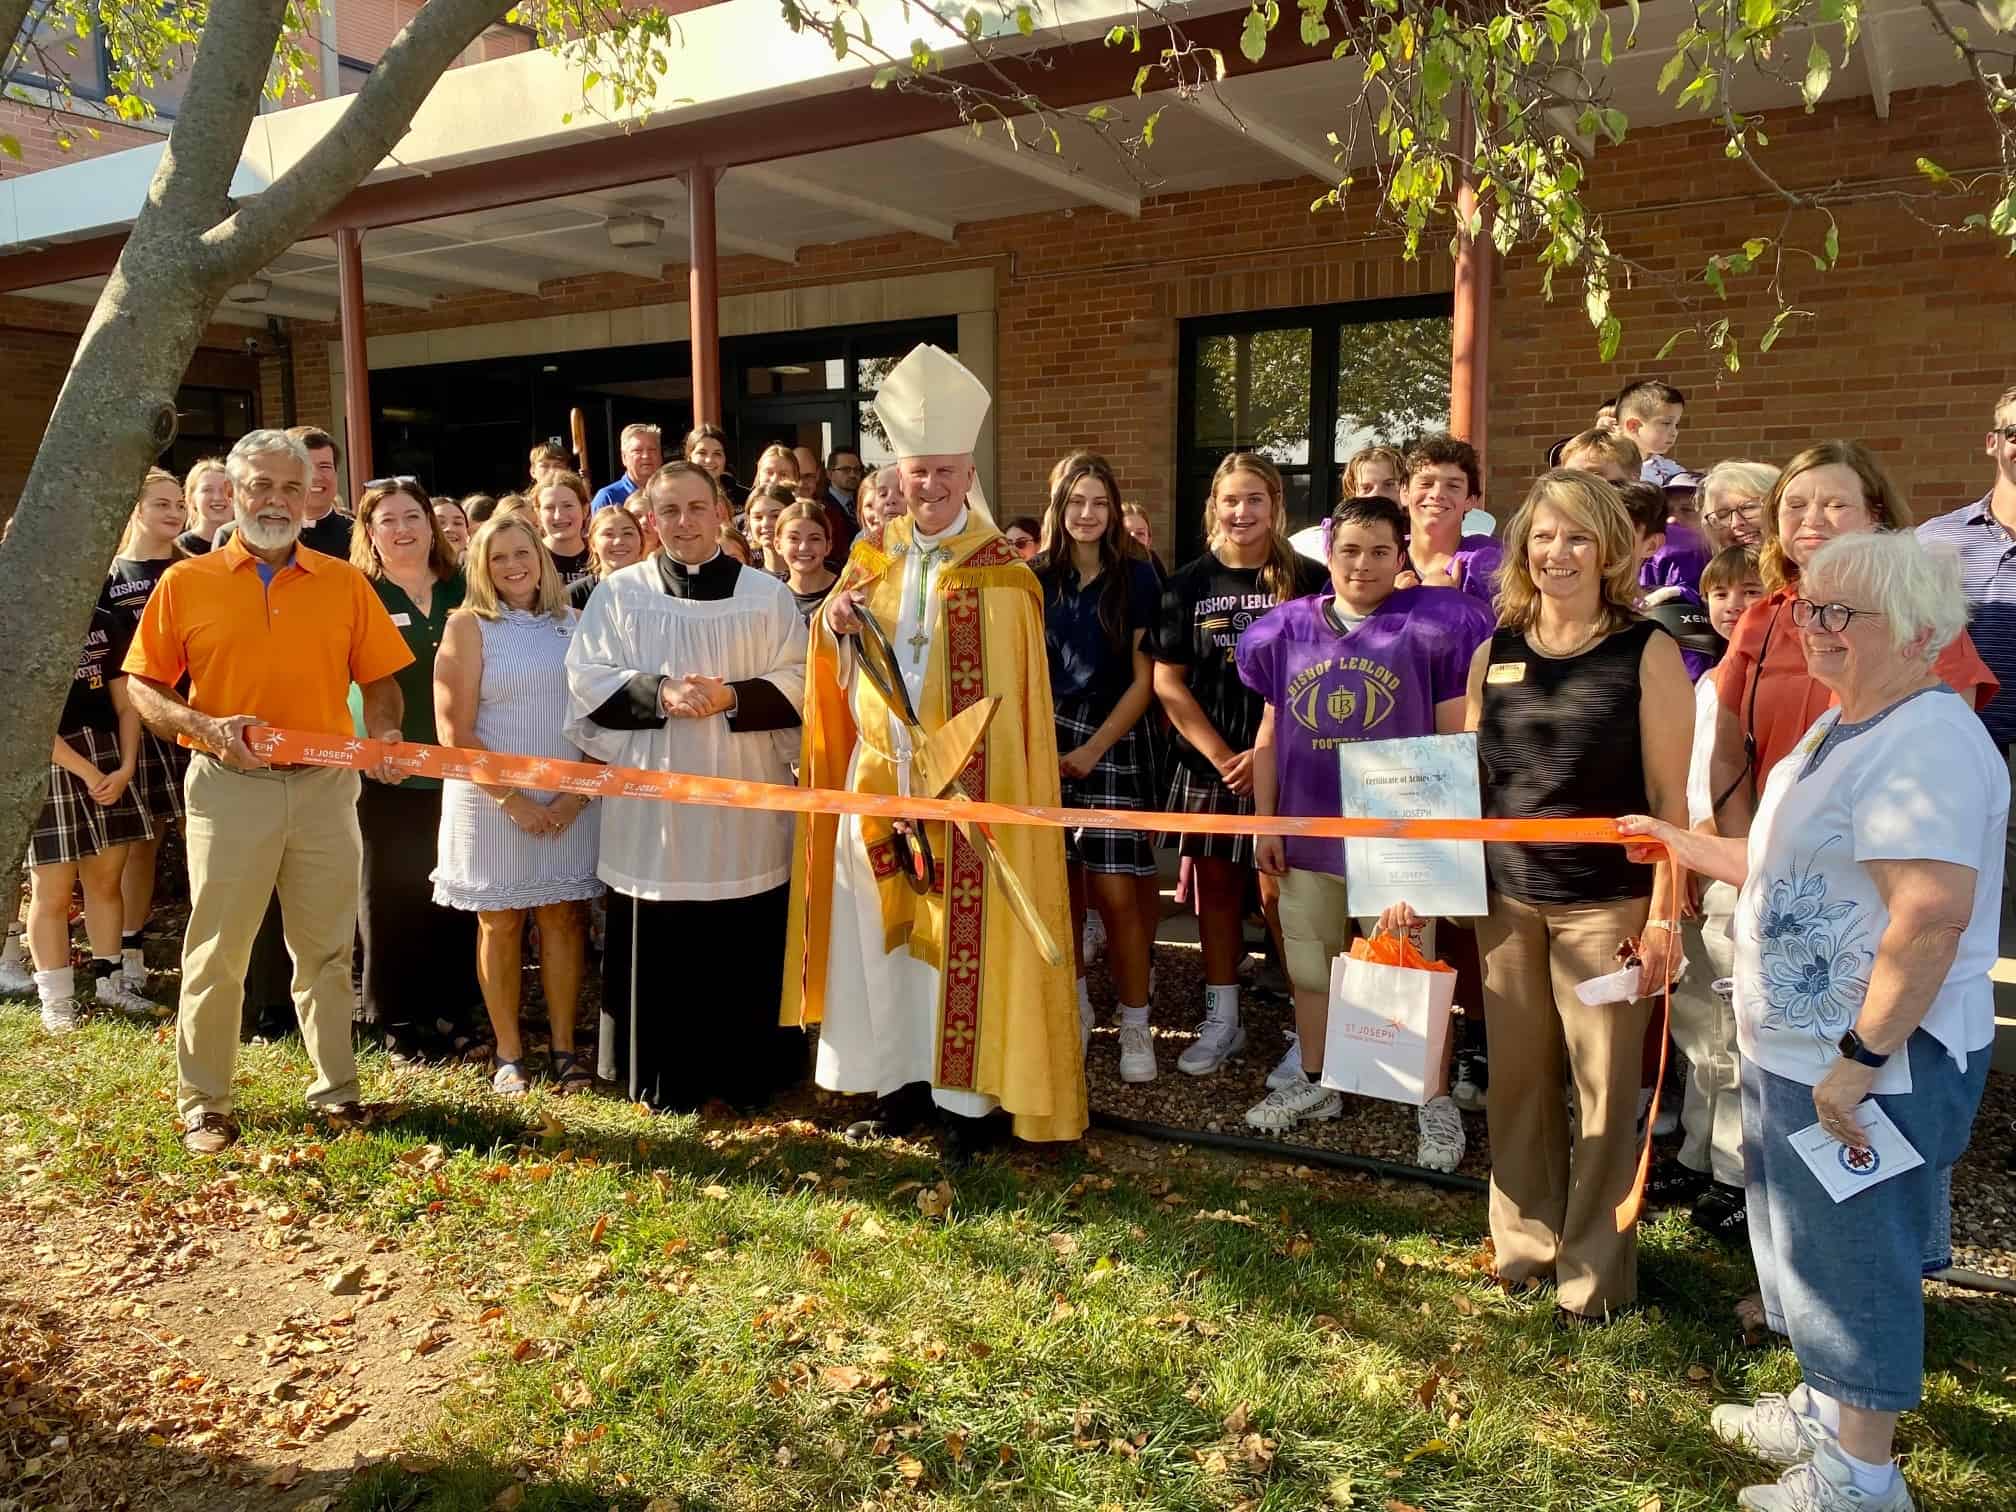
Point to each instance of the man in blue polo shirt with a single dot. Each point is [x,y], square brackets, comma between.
[1984,533]
[643,454]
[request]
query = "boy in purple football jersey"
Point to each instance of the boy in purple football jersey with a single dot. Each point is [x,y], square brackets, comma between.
[1359,661]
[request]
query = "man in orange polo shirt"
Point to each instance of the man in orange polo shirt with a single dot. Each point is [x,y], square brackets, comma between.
[268,632]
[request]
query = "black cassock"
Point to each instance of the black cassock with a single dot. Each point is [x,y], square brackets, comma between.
[709,972]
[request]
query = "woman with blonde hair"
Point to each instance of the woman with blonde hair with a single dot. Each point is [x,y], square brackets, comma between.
[1769,698]
[500,684]
[1582,710]
[777,464]
[1247,569]
[207,496]
[419,957]
[1732,502]
[612,544]
[146,550]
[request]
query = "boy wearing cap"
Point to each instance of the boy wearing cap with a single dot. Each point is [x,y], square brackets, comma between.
[935,982]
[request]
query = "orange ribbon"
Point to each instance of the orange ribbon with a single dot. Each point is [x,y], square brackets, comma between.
[503,769]
[542,774]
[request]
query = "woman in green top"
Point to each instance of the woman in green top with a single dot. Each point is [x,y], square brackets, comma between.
[419,960]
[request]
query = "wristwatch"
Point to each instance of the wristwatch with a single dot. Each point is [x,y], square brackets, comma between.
[1853,1049]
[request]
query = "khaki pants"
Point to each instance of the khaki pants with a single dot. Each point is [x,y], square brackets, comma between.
[250,835]
[1316,923]
[1554,1200]
[1704,1027]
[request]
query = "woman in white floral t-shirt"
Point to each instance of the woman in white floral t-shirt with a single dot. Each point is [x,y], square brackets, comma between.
[1867,923]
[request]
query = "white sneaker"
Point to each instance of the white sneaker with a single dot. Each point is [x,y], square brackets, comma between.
[16,980]
[61,1016]
[1299,1102]
[1780,1430]
[1441,1127]
[1825,1484]
[1290,1071]
[1095,936]
[1218,1040]
[114,993]
[1137,1053]
[1085,1019]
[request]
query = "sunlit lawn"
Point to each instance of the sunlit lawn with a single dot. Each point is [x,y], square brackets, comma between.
[762,1317]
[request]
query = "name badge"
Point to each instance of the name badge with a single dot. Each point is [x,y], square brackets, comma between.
[1505,672]
[402,620]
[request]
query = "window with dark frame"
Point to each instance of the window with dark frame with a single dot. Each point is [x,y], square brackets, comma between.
[1305,388]
[84,66]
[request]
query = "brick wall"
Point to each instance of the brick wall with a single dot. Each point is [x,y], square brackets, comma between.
[1903,351]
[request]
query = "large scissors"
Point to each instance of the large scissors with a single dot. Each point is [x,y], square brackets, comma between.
[935,764]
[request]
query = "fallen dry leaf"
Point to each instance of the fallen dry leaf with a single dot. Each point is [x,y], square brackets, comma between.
[1433,1446]
[843,1377]
[1697,1372]
[935,1201]
[1236,1420]
[600,1228]
[911,1469]
[509,1499]
[955,1445]
[1394,1504]
[715,1192]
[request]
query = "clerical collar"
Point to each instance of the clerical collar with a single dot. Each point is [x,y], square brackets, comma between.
[710,580]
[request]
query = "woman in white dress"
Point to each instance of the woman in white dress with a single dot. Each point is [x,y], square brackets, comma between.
[500,684]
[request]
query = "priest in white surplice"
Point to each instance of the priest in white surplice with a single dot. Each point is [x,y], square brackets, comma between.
[690,662]
[939,990]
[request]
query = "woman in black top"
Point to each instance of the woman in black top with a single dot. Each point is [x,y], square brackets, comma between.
[1099,605]
[90,815]
[615,540]
[1248,568]
[418,961]
[146,550]
[1582,710]
[207,492]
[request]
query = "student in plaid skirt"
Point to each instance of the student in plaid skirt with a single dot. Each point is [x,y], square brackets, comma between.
[146,551]
[90,815]
[1099,604]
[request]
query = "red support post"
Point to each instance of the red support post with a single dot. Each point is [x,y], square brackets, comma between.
[703,319]
[1470,325]
[356,358]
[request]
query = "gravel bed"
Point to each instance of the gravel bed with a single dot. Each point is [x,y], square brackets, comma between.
[1984,1188]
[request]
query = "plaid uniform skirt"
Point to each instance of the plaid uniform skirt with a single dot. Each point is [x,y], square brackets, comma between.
[1122,779]
[158,778]
[1192,793]
[72,827]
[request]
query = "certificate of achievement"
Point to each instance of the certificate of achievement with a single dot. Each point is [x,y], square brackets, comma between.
[1424,777]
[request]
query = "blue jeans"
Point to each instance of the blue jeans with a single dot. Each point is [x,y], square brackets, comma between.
[1844,1280]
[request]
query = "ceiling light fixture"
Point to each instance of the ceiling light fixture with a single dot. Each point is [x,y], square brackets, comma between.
[251,291]
[633,230]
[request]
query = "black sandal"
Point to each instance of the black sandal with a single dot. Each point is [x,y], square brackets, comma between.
[570,1075]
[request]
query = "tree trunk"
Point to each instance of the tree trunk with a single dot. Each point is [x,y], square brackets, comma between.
[116,411]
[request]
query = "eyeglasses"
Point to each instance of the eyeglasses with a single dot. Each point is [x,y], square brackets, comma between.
[1750,513]
[2007,433]
[1832,618]
[404,480]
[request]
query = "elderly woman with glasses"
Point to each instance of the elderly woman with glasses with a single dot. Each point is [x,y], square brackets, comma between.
[1732,502]
[1865,930]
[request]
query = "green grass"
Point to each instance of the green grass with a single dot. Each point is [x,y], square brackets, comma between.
[762,1317]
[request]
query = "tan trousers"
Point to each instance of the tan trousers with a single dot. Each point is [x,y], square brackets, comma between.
[1554,1199]
[249,835]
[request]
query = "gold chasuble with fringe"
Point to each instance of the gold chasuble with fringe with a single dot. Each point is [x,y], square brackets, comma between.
[1007,1021]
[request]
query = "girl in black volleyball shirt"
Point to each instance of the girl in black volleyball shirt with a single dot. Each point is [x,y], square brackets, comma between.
[1248,568]
[147,549]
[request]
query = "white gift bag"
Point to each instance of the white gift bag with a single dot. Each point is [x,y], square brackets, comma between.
[1389,1031]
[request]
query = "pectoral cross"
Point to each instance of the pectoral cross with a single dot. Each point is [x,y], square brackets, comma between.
[917,644]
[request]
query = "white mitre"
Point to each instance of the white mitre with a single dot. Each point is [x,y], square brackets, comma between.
[930,405]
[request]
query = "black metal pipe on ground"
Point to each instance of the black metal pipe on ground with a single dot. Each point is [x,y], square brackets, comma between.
[1274,1149]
